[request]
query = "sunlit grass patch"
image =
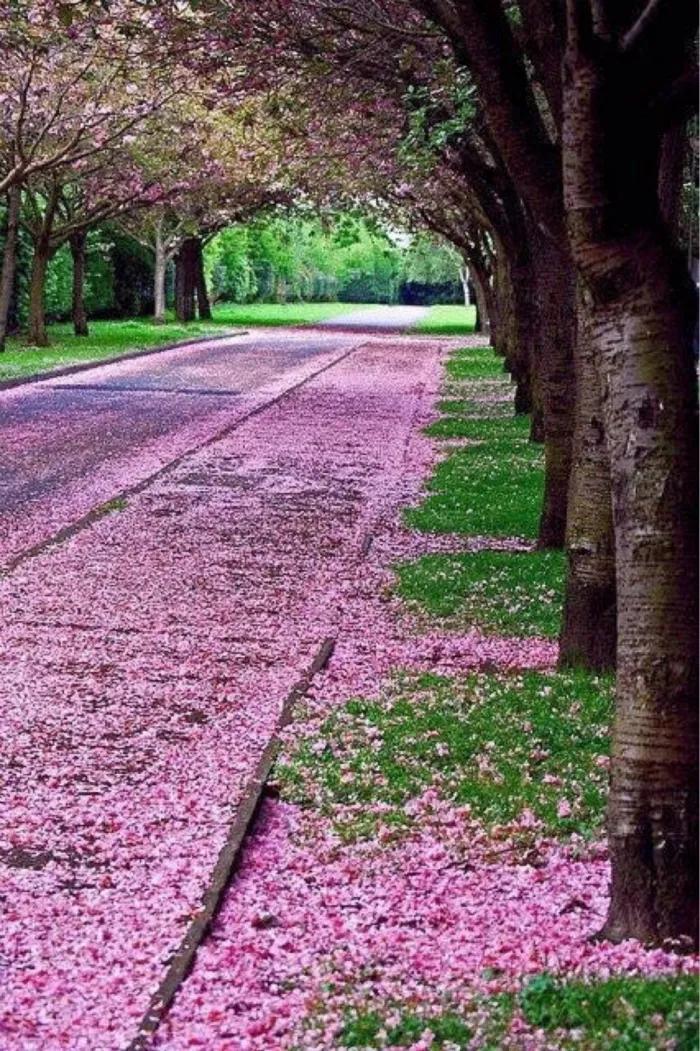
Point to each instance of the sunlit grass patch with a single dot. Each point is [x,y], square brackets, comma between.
[511,593]
[474,363]
[512,430]
[491,489]
[500,743]
[448,320]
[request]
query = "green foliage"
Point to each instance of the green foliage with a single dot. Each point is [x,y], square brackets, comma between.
[498,742]
[621,1014]
[509,593]
[296,258]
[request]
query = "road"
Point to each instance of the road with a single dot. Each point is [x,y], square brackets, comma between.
[378,319]
[70,444]
[145,660]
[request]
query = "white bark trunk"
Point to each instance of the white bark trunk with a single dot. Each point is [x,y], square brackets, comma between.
[464,278]
[159,278]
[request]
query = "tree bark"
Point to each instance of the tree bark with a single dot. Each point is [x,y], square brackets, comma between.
[9,259]
[482,322]
[37,335]
[589,630]
[185,281]
[464,278]
[159,275]
[203,303]
[555,305]
[643,308]
[78,242]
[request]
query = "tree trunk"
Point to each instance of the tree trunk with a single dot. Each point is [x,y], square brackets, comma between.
[37,335]
[643,308]
[203,304]
[589,629]
[674,147]
[78,243]
[555,305]
[159,275]
[482,323]
[9,259]
[185,281]
[464,278]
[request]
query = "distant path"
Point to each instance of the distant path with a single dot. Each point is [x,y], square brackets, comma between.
[382,318]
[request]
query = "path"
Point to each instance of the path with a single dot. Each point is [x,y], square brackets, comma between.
[145,660]
[380,319]
[71,444]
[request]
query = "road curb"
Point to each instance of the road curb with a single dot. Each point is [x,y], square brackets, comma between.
[69,370]
[229,857]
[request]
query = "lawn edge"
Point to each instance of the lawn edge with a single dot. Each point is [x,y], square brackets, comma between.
[69,370]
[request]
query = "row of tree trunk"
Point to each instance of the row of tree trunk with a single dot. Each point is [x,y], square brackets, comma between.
[191,295]
[592,307]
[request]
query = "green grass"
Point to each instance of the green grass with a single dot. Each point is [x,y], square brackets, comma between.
[475,363]
[284,313]
[448,321]
[110,338]
[106,339]
[500,743]
[493,489]
[494,485]
[505,592]
[366,1030]
[619,1014]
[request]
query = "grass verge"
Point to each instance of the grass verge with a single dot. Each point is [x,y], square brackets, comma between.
[509,593]
[500,743]
[620,1014]
[110,338]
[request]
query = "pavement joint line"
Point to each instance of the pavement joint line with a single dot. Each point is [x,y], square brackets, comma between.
[229,857]
[84,366]
[96,513]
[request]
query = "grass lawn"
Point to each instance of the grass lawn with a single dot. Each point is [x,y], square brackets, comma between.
[546,733]
[448,321]
[284,313]
[620,1014]
[110,338]
[502,592]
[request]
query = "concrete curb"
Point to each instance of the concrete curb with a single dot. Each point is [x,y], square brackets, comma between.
[68,370]
[227,862]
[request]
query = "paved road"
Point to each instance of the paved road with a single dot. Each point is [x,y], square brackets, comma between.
[69,445]
[144,662]
[382,318]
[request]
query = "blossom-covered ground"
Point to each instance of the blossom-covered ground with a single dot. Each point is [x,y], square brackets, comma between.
[144,664]
[372,913]
[72,443]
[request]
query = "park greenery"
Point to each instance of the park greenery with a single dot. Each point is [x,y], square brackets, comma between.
[158,156]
